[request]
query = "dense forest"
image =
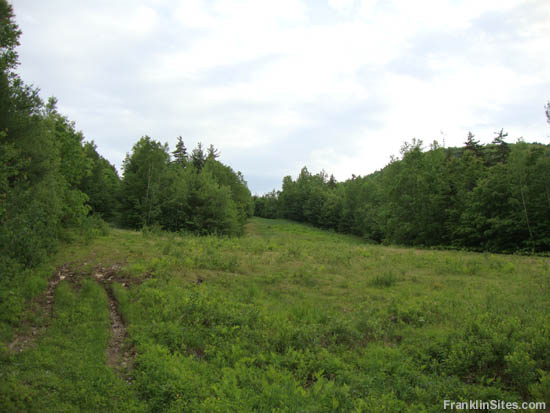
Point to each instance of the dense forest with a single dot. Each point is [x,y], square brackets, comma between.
[493,197]
[55,186]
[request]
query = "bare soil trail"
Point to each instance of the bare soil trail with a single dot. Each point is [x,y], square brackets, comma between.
[117,356]
[43,303]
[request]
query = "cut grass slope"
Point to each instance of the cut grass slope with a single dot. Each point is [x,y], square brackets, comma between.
[292,318]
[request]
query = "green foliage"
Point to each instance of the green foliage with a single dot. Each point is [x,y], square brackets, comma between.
[494,197]
[387,279]
[203,197]
[541,389]
[267,206]
[198,157]
[286,318]
[46,187]
[66,371]
[210,207]
[141,185]
[9,38]
[289,318]
[240,194]
[101,185]
[180,153]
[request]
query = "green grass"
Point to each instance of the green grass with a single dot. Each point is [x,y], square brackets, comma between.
[290,318]
[66,371]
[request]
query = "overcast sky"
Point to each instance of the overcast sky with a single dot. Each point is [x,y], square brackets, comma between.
[275,85]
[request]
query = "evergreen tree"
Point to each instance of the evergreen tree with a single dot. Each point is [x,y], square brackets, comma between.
[500,150]
[212,153]
[180,154]
[473,145]
[211,207]
[198,158]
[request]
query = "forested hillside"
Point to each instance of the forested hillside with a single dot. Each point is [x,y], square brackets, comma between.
[493,197]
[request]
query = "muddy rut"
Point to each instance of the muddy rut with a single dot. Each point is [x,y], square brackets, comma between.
[43,303]
[117,357]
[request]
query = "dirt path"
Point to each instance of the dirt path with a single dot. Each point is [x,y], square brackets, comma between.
[43,303]
[116,355]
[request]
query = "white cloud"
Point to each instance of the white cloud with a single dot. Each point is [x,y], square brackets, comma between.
[192,14]
[342,6]
[250,75]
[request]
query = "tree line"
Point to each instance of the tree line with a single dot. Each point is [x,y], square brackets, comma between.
[493,197]
[55,186]
[192,192]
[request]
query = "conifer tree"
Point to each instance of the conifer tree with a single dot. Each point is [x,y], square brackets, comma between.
[198,158]
[212,153]
[501,151]
[473,144]
[180,154]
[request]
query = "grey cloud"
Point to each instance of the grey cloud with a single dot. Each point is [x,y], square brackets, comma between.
[330,126]
[235,73]
[412,65]
[107,89]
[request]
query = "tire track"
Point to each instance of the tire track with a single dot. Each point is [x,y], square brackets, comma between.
[117,356]
[44,303]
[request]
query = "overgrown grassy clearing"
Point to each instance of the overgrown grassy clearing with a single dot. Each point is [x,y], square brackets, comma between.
[292,318]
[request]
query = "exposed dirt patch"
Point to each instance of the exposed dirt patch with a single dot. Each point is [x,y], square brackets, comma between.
[118,333]
[112,273]
[117,355]
[40,305]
